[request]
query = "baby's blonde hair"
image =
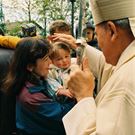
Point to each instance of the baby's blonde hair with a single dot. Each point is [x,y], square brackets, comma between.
[57,46]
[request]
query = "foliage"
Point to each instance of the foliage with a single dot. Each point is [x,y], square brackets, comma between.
[14,28]
[42,12]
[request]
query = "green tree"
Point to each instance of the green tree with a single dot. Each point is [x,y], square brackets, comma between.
[50,10]
[42,12]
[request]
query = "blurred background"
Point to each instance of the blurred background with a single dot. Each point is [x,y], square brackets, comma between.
[16,14]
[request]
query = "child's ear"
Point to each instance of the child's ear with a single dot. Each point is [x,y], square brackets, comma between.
[30,67]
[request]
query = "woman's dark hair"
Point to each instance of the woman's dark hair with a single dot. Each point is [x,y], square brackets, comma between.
[27,52]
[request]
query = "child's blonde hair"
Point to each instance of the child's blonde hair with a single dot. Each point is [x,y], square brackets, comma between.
[57,46]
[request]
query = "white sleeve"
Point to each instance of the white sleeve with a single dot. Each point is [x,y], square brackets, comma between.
[115,115]
[96,60]
[81,119]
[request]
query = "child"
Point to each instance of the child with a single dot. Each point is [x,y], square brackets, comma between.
[89,35]
[37,113]
[62,65]
[60,26]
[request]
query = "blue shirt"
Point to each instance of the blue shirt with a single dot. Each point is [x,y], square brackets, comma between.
[46,118]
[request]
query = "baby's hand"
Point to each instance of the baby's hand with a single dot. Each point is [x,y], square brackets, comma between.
[64,92]
[50,38]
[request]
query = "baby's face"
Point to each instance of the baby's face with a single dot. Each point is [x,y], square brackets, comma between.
[63,60]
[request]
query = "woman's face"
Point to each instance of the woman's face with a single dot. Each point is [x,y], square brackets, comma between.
[89,34]
[42,66]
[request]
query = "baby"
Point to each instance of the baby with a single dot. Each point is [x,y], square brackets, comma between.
[62,65]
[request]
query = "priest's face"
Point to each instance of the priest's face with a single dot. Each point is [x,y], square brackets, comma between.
[106,43]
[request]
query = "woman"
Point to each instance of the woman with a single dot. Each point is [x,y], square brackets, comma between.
[37,112]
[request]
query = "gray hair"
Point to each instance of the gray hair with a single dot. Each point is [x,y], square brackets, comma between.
[122,23]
